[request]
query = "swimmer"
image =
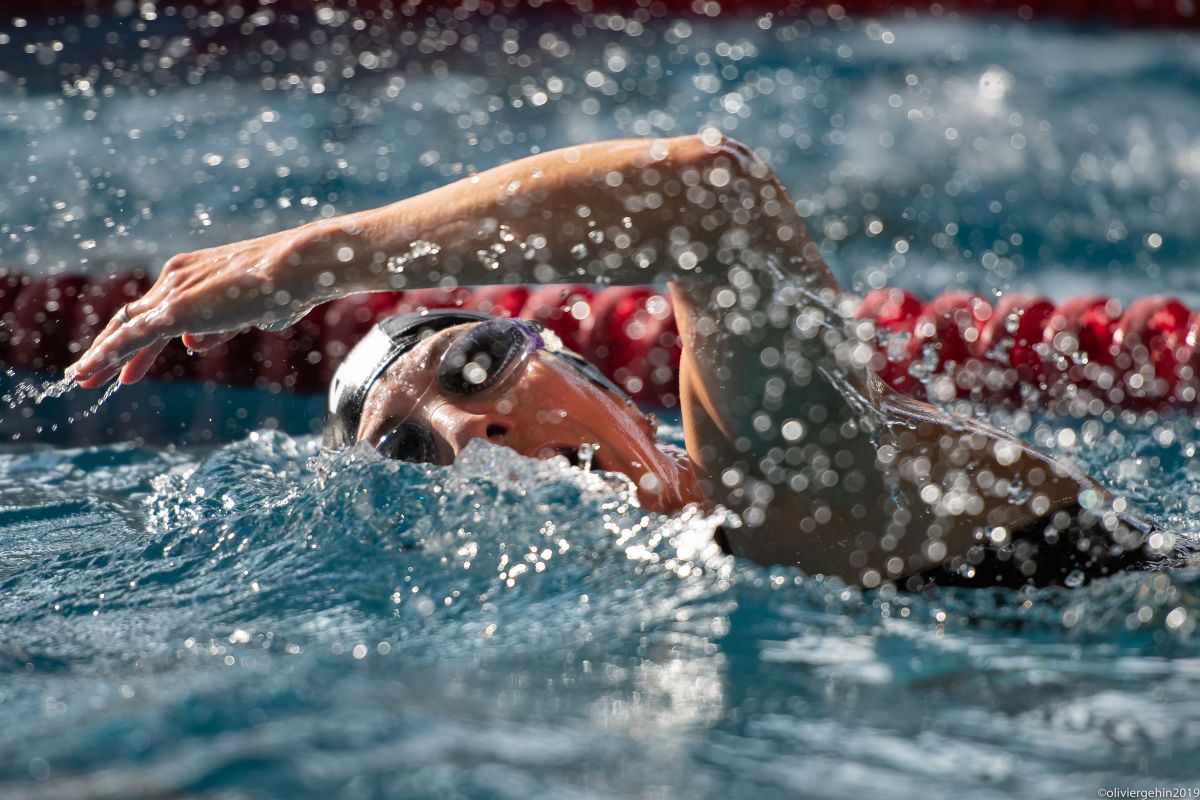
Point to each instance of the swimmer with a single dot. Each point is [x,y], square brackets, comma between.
[785,424]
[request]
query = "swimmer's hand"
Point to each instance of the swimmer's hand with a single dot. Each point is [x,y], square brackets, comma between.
[207,297]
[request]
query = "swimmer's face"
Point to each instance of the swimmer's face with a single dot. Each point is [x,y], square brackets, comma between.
[547,408]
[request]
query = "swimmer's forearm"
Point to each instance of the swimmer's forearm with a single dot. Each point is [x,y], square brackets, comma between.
[626,211]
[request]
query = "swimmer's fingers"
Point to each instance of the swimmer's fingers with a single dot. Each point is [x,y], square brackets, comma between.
[88,371]
[203,342]
[141,362]
[120,341]
[97,379]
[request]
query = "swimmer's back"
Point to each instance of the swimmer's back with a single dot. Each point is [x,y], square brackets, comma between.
[1069,547]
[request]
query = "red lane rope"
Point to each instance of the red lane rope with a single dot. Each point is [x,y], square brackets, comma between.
[1087,348]
[1020,348]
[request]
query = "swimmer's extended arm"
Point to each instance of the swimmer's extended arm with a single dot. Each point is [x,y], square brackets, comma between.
[626,211]
[829,469]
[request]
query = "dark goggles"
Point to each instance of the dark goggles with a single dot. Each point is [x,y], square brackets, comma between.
[486,356]
[490,352]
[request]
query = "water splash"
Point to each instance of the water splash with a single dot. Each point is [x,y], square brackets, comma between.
[109,391]
[37,391]
[521,598]
[417,251]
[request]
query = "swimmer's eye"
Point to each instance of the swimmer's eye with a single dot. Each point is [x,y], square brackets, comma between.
[482,357]
[408,442]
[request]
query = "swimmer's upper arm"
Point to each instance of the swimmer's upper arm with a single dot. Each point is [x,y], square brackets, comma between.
[624,211]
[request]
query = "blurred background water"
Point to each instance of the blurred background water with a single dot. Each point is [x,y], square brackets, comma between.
[186,618]
[985,152]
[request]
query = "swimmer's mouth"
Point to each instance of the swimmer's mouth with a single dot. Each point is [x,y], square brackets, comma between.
[572,454]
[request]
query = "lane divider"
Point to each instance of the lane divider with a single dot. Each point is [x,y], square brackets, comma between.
[1020,348]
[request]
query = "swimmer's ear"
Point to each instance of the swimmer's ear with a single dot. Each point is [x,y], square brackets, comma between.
[203,342]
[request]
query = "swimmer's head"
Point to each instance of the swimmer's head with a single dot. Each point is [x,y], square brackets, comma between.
[419,387]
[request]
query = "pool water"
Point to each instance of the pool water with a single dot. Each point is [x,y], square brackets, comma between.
[979,153]
[242,619]
[204,606]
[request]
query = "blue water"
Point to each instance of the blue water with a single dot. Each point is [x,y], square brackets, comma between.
[1003,156]
[208,608]
[236,618]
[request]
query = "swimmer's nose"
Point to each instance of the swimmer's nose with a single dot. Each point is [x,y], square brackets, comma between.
[493,428]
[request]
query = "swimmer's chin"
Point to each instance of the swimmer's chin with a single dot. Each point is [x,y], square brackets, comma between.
[673,484]
[668,485]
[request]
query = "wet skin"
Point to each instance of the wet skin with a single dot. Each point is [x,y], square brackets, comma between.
[545,408]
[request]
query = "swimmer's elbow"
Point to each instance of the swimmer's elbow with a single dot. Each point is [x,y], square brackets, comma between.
[712,150]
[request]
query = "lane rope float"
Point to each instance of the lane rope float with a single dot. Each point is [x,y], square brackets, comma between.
[1090,351]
